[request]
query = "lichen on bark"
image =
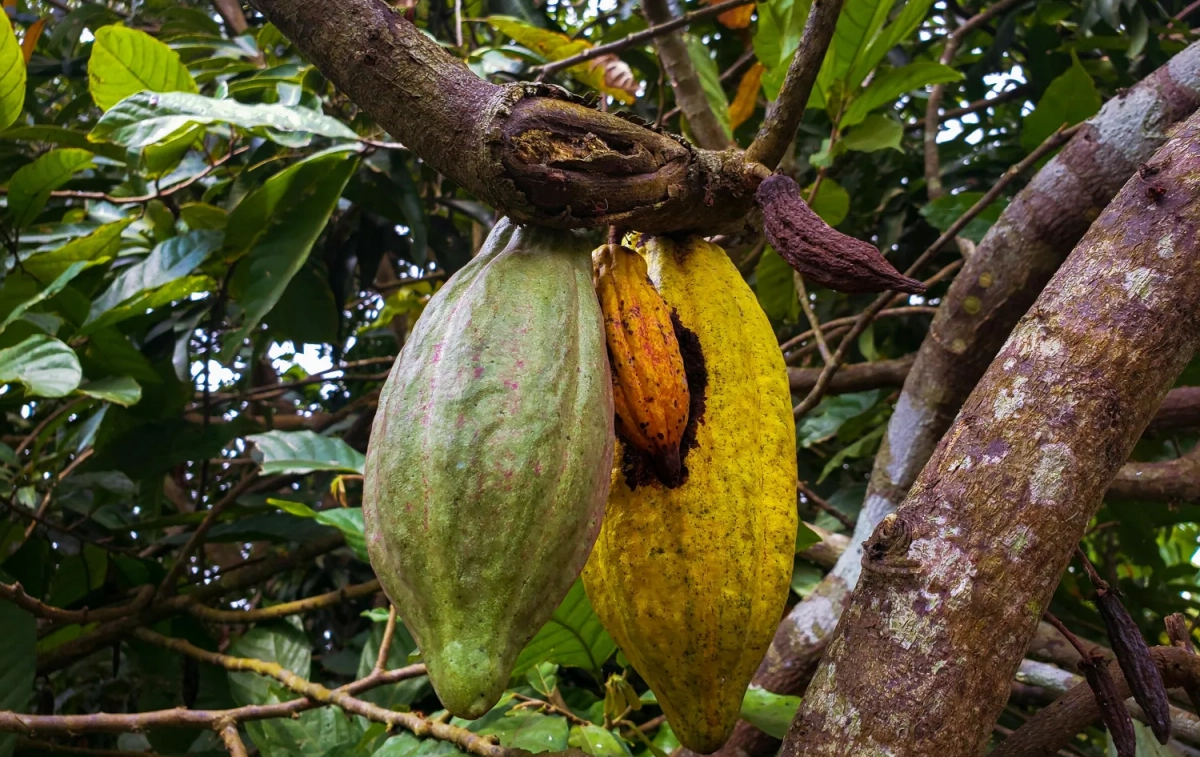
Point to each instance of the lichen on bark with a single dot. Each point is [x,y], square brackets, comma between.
[1008,492]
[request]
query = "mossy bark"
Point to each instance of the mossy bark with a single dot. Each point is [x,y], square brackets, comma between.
[922,658]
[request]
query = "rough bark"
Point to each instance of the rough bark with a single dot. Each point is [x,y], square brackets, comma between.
[1170,481]
[1180,409]
[689,95]
[532,151]
[996,286]
[966,568]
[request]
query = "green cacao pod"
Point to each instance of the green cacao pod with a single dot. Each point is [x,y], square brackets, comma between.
[488,465]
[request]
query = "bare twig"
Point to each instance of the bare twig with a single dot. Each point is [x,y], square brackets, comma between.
[806,306]
[39,428]
[228,731]
[652,32]
[850,320]
[385,644]
[307,604]
[818,502]
[1052,142]
[779,127]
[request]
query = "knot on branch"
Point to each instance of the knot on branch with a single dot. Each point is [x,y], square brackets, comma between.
[575,166]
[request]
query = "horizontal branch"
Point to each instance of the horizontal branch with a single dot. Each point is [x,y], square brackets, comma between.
[308,604]
[859,377]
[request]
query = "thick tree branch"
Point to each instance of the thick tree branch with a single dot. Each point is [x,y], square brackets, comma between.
[983,537]
[779,127]
[677,62]
[996,286]
[1053,727]
[529,150]
[859,377]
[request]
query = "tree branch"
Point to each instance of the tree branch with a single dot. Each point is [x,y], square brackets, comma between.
[307,604]
[677,62]
[779,127]
[532,151]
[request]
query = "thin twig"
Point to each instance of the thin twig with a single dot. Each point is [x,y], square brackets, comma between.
[686,19]
[867,316]
[385,644]
[419,726]
[779,127]
[850,320]
[39,428]
[1083,651]
[308,604]
[806,306]
[824,506]
[228,732]
[551,707]
[45,503]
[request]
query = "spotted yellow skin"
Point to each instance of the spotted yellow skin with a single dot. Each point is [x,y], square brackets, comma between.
[691,582]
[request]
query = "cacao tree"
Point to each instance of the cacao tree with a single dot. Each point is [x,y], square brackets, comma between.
[965,233]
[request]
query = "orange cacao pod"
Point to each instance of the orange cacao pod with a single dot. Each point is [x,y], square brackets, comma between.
[650,392]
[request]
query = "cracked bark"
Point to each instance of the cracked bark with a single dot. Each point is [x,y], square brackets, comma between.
[1008,492]
[995,287]
[532,151]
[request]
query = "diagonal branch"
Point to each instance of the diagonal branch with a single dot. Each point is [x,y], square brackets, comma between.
[677,62]
[779,127]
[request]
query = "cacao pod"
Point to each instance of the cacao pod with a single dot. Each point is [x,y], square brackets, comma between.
[691,582]
[488,463]
[650,392]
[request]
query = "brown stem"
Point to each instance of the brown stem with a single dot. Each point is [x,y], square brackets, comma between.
[228,731]
[779,127]
[824,506]
[181,560]
[385,644]
[677,62]
[859,377]
[307,604]
[806,306]
[657,30]
[231,13]
[15,593]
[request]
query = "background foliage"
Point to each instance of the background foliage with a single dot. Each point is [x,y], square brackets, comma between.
[212,257]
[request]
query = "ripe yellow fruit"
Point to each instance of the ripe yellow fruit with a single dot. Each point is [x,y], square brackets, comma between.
[650,391]
[691,581]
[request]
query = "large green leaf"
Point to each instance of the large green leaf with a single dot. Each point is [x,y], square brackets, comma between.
[49,291]
[554,45]
[148,118]
[32,184]
[572,637]
[277,225]
[12,77]
[907,22]
[876,132]
[832,202]
[43,364]
[97,247]
[296,452]
[769,712]
[777,35]
[857,26]
[125,61]
[173,259]
[17,661]
[1068,100]
[886,87]
[120,390]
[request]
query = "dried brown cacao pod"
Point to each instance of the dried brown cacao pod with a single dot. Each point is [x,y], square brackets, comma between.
[1143,676]
[650,390]
[1112,705]
[820,253]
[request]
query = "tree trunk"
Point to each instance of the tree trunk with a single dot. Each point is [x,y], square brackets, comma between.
[954,585]
[996,286]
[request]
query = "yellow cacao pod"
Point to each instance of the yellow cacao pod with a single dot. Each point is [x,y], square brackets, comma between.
[691,581]
[650,391]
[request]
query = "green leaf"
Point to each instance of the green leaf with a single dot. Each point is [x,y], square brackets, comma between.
[49,291]
[1068,100]
[829,416]
[573,637]
[857,26]
[553,45]
[12,80]
[832,202]
[543,678]
[300,452]
[348,520]
[393,695]
[531,731]
[278,224]
[861,448]
[43,364]
[32,184]
[769,712]
[148,118]
[944,211]
[805,577]
[97,247]
[775,287]
[125,61]
[120,390]
[777,35]
[876,132]
[907,22]
[710,81]
[1147,745]
[597,741]
[17,663]
[151,299]
[281,643]
[805,536]
[886,87]
[173,259]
